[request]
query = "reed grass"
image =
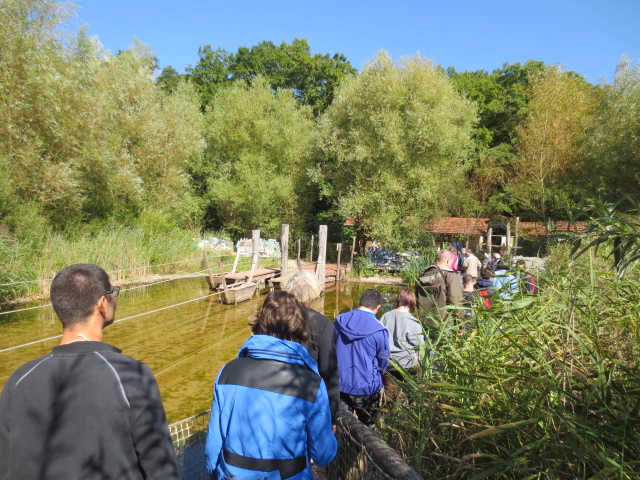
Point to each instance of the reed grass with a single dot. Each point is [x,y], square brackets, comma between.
[540,387]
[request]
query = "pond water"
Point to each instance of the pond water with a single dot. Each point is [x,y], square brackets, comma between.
[185,345]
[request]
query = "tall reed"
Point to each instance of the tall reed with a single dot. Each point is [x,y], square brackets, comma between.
[122,251]
[540,387]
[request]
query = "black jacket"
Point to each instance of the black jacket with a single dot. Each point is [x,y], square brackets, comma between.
[323,351]
[85,411]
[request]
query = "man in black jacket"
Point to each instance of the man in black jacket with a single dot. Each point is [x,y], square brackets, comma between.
[84,411]
[305,286]
[439,286]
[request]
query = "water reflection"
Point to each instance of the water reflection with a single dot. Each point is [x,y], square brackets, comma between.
[185,346]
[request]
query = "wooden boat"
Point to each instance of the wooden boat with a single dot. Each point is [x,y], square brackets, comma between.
[234,294]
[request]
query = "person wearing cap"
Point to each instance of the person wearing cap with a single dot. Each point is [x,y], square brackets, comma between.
[85,410]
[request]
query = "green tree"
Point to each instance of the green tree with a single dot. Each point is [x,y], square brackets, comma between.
[394,142]
[613,165]
[169,79]
[552,142]
[85,135]
[312,78]
[210,73]
[502,99]
[254,173]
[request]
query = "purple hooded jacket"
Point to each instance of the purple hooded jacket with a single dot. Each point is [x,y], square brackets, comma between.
[362,347]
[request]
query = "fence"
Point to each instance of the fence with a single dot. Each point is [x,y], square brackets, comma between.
[362,454]
[188,438]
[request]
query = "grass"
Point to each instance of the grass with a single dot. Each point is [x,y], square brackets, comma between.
[542,387]
[127,253]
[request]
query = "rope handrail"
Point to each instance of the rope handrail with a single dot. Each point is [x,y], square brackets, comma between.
[108,271]
[42,280]
[132,288]
[123,290]
[117,321]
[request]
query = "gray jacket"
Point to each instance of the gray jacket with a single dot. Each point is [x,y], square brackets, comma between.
[405,337]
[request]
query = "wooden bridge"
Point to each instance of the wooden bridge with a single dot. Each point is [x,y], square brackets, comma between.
[271,275]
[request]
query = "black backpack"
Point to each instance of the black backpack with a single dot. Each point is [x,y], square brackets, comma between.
[432,288]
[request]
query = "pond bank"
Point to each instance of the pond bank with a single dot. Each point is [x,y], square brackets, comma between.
[153,278]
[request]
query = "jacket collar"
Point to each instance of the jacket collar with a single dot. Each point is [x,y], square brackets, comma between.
[272,348]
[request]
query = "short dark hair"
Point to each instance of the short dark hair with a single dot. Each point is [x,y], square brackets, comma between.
[468,280]
[76,290]
[406,298]
[487,271]
[370,299]
[282,316]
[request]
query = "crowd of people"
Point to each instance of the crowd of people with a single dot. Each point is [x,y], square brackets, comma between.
[86,411]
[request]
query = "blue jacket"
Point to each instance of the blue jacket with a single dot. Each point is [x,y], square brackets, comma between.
[270,413]
[506,283]
[362,347]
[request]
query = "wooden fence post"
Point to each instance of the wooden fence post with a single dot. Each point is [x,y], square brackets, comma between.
[322,256]
[353,251]
[284,249]
[311,251]
[339,248]
[209,277]
[515,246]
[255,251]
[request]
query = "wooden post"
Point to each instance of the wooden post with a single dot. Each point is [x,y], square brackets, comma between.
[353,251]
[284,249]
[515,243]
[224,281]
[208,267]
[299,245]
[255,247]
[322,256]
[490,240]
[508,238]
[235,263]
[339,248]
[311,251]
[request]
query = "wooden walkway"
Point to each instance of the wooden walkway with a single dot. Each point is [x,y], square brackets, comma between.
[272,275]
[262,273]
[331,273]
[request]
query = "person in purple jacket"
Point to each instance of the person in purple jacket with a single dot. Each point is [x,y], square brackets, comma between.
[362,347]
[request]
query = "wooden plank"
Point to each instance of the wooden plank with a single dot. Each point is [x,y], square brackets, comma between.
[284,248]
[322,254]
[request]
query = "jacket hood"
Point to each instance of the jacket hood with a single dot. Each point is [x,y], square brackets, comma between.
[357,324]
[272,348]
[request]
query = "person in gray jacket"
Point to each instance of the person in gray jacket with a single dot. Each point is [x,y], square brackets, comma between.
[405,338]
[84,411]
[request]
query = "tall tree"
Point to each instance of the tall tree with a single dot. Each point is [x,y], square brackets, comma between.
[552,141]
[394,141]
[502,99]
[85,135]
[614,161]
[210,73]
[312,78]
[169,79]
[254,172]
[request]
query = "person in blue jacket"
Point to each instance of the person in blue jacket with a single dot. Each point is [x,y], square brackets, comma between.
[270,413]
[362,347]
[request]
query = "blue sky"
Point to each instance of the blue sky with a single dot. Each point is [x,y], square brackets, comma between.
[587,36]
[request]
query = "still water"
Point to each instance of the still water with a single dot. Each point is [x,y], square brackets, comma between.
[185,345]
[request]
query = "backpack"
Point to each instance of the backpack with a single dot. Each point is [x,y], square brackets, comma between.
[527,282]
[432,288]
[484,293]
